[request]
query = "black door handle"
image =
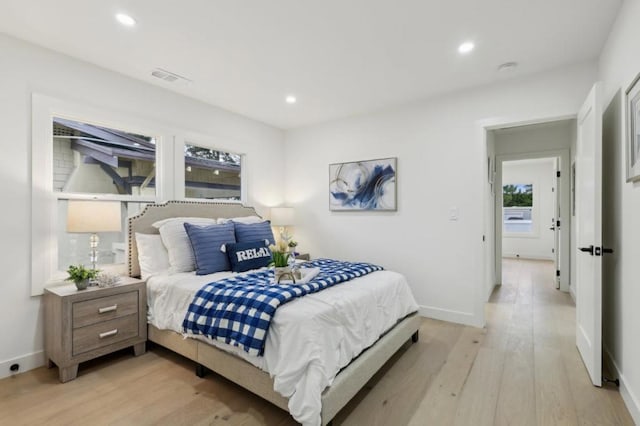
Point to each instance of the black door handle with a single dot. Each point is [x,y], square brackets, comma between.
[589,249]
[552,228]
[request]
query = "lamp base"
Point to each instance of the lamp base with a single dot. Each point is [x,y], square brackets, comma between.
[94,241]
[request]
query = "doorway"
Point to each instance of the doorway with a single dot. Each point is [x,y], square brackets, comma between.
[530,211]
[531,146]
[580,247]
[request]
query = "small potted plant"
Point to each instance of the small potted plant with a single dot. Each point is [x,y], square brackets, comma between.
[81,276]
[280,261]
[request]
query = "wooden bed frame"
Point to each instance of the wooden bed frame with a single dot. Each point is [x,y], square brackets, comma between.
[346,384]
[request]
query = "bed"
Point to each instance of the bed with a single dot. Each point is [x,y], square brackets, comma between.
[365,357]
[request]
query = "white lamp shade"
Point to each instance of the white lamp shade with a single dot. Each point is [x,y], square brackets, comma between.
[282,216]
[93,216]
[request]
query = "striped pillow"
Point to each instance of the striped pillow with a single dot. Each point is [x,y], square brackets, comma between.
[248,232]
[175,239]
[207,242]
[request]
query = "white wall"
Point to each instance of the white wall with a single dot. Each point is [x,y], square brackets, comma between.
[26,68]
[540,173]
[441,164]
[535,138]
[619,64]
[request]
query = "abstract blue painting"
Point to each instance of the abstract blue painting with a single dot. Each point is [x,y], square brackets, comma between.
[363,185]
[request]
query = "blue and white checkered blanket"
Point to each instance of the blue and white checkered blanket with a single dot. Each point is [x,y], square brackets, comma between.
[238,310]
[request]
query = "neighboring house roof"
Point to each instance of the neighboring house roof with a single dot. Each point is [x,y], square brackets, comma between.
[112,148]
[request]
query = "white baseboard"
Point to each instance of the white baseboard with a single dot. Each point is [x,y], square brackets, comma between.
[629,398]
[572,292]
[459,317]
[490,291]
[27,362]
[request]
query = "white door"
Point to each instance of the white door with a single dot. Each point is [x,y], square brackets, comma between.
[589,234]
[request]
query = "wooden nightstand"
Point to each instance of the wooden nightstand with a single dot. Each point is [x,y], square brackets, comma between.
[84,324]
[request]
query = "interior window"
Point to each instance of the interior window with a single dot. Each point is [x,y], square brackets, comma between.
[211,174]
[91,159]
[517,207]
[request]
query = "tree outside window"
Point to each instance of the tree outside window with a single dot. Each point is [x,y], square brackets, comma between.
[517,203]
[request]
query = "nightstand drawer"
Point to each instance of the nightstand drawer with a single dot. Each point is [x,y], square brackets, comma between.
[104,309]
[105,333]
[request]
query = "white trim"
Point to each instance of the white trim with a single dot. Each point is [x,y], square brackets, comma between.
[466,318]
[489,292]
[572,292]
[27,362]
[628,396]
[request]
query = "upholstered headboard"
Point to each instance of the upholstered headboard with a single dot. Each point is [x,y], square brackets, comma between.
[152,213]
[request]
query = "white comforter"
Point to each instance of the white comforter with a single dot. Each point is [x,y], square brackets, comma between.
[310,339]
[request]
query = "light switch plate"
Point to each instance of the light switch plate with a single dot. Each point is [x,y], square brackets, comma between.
[453,213]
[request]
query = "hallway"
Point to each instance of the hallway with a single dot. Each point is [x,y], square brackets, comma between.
[531,326]
[523,369]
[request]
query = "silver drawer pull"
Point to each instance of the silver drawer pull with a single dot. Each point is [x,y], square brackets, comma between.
[108,333]
[107,309]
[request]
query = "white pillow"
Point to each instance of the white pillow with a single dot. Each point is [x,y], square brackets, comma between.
[242,219]
[176,240]
[152,255]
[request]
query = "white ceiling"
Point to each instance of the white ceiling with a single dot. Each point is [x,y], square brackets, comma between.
[339,57]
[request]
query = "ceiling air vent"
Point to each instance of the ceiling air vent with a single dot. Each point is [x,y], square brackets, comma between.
[169,76]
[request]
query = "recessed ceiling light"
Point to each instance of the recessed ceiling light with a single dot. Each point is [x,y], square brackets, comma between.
[466,47]
[291,99]
[125,19]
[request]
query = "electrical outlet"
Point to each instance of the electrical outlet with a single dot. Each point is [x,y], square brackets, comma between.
[453,213]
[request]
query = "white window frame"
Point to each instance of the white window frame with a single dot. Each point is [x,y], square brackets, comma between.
[45,270]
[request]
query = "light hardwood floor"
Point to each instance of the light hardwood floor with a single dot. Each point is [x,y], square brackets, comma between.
[523,369]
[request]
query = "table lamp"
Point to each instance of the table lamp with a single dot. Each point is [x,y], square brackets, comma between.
[283,217]
[91,217]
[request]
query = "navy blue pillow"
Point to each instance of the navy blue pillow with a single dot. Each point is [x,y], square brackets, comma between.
[249,232]
[246,256]
[206,242]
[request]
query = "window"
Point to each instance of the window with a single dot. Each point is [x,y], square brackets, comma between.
[98,161]
[211,174]
[517,208]
[85,153]
[91,159]
[81,152]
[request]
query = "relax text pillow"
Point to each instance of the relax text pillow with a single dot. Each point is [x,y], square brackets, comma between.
[246,256]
